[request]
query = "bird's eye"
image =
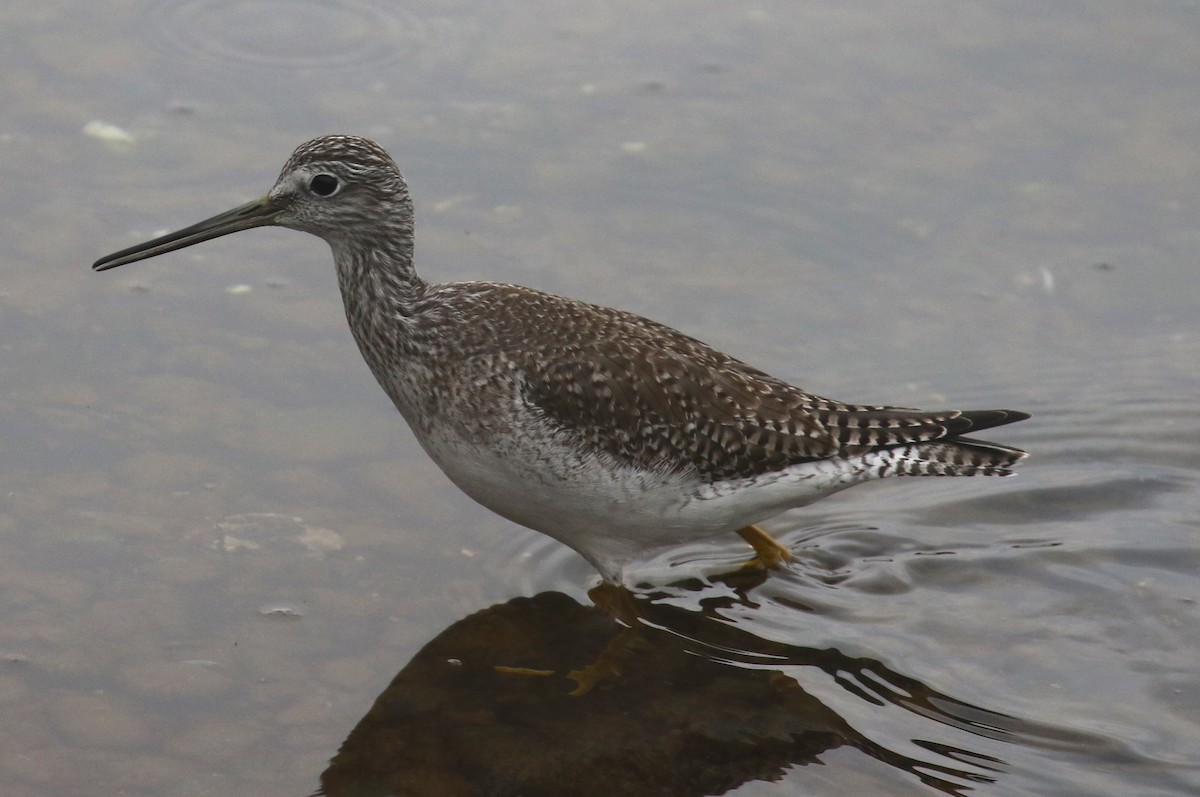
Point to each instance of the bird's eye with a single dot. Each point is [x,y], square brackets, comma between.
[323,184]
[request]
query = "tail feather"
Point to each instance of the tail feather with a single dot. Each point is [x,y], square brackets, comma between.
[960,456]
[978,420]
[888,426]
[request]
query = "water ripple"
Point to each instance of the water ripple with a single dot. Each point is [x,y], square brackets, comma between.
[288,34]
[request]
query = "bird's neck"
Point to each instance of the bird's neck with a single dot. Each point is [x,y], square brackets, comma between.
[394,318]
[381,268]
[381,289]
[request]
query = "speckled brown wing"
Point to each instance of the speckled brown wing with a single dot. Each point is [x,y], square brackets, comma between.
[687,407]
[662,410]
[649,395]
[665,411]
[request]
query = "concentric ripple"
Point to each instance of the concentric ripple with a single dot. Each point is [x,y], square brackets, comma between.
[288,34]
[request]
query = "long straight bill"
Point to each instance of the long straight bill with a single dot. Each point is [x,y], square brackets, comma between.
[258,213]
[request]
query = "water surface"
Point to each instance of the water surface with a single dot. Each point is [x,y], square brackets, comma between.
[219,546]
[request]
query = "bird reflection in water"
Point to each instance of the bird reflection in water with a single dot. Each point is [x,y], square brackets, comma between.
[684,702]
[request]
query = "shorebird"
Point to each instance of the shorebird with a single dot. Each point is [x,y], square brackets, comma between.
[607,431]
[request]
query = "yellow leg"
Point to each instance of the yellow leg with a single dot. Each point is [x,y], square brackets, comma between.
[522,671]
[769,553]
[618,603]
[606,665]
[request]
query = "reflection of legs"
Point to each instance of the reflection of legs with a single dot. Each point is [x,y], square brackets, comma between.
[616,601]
[769,553]
[619,603]
[605,665]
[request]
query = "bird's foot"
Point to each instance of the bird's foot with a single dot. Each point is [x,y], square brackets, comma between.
[768,552]
[619,603]
[606,664]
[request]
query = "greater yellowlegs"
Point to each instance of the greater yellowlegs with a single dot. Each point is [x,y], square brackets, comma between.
[609,432]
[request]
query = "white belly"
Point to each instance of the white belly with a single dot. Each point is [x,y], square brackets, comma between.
[611,513]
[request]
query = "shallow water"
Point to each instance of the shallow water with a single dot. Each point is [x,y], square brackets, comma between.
[219,545]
